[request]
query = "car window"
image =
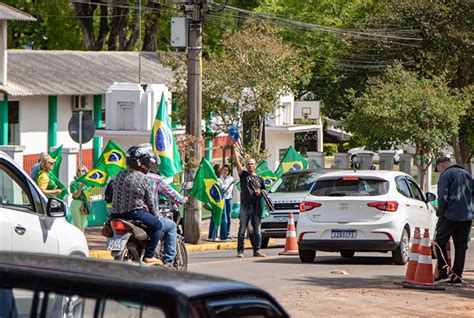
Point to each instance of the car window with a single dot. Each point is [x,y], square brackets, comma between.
[402,187]
[415,190]
[240,308]
[17,302]
[350,186]
[14,192]
[297,182]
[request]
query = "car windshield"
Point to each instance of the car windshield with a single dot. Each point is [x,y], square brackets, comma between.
[350,186]
[297,182]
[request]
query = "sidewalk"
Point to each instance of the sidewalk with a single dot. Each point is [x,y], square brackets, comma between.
[97,243]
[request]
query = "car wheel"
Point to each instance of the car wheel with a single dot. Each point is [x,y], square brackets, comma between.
[307,256]
[347,254]
[264,243]
[401,254]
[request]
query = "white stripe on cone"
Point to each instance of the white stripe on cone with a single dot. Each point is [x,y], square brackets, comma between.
[291,234]
[425,259]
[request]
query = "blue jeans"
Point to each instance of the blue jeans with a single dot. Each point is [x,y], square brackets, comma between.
[247,213]
[212,230]
[151,221]
[169,240]
[226,220]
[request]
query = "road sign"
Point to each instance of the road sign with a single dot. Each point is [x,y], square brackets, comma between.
[87,127]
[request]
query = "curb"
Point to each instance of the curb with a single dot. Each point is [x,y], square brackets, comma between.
[102,254]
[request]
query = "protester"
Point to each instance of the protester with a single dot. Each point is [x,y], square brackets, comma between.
[251,187]
[80,205]
[45,183]
[36,166]
[227,183]
[212,236]
[455,217]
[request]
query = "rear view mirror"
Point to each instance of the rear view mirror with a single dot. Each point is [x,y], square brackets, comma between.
[430,196]
[56,208]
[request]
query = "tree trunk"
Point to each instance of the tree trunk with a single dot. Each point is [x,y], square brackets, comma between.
[151,27]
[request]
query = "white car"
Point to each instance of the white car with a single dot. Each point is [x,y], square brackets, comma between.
[354,152]
[366,211]
[29,222]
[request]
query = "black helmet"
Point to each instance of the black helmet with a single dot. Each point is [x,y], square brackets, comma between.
[138,157]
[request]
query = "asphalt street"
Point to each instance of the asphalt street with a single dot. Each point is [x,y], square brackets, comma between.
[363,285]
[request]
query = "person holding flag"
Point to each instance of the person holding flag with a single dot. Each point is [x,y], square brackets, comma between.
[50,186]
[80,204]
[251,186]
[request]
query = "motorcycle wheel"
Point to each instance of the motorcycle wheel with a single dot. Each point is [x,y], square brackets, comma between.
[181,259]
[130,254]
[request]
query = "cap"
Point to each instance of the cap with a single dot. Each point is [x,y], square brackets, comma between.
[48,158]
[441,160]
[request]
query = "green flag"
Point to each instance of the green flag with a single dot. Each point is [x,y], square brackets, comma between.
[59,184]
[56,154]
[164,144]
[206,189]
[268,176]
[112,158]
[96,177]
[292,161]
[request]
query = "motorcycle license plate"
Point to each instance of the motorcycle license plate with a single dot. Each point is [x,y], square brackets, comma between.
[116,244]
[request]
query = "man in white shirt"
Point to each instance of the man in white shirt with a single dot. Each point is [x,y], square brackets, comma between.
[227,186]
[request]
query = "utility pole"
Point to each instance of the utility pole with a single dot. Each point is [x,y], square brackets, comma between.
[193,9]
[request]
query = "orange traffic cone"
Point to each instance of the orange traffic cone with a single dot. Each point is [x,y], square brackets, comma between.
[291,246]
[414,255]
[424,270]
[438,252]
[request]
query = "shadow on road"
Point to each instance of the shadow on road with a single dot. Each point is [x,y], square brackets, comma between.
[325,260]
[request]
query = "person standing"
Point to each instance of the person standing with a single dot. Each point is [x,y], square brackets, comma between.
[227,182]
[80,206]
[455,217]
[250,210]
[36,166]
[44,181]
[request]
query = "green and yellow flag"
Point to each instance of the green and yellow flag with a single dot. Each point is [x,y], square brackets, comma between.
[206,189]
[112,158]
[164,144]
[96,177]
[292,161]
[56,154]
[268,176]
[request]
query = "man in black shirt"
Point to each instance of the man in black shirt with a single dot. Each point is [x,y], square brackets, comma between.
[251,186]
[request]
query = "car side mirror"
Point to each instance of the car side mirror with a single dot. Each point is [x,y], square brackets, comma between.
[430,196]
[56,208]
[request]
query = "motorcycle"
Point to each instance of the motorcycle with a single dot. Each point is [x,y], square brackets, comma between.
[128,238]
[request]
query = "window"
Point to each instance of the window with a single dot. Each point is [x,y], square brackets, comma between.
[14,123]
[415,190]
[14,193]
[297,182]
[240,308]
[350,186]
[402,187]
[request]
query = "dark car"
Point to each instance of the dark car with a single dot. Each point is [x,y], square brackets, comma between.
[34,285]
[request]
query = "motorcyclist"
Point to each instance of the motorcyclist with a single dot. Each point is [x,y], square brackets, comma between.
[131,193]
[159,187]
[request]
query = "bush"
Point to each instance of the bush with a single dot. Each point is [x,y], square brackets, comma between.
[346,146]
[330,149]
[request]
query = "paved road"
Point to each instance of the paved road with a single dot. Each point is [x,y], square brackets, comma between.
[309,290]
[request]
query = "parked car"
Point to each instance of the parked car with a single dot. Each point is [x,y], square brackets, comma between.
[370,211]
[29,222]
[354,152]
[287,195]
[33,285]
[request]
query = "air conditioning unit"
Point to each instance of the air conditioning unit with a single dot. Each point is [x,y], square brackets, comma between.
[79,103]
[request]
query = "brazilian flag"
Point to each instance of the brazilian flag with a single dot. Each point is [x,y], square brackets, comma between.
[96,177]
[292,161]
[164,144]
[206,189]
[268,176]
[56,154]
[112,158]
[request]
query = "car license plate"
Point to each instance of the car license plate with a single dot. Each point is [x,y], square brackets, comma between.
[343,234]
[116,244]
[280,218]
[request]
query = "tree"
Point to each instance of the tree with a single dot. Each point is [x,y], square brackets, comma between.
[403,108]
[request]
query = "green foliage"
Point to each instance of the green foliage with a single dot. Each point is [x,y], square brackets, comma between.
[346,146]
[330,149]
[402,108]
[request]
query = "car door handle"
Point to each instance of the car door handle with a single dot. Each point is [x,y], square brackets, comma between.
[20,230]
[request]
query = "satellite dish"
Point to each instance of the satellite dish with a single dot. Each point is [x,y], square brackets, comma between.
[87,127]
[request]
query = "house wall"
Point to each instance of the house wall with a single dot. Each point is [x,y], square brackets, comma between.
[273,143]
